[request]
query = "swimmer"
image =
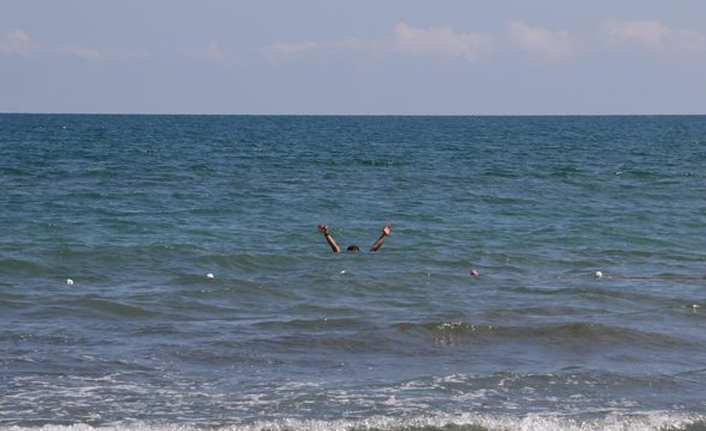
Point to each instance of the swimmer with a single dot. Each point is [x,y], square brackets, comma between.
[335,248]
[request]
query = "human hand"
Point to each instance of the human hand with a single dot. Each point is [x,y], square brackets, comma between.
[323,228]
[387,229]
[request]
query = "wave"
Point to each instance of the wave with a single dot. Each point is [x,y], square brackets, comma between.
[312,324]
[454,333]
[361,162]
[250,261]
[590,292]
[88,306]
[375,162]
[646,421]
[22,266]
[106,307]
[353,335]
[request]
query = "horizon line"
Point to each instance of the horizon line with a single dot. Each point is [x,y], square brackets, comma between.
[357,114]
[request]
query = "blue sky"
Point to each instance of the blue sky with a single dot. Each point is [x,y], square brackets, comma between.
[353,57]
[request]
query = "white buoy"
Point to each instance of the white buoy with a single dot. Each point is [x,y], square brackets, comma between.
[599,274]
[474,272]
[69,281]
[209,275]
[343,271]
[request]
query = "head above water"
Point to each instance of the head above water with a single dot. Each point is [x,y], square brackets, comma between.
[353,248]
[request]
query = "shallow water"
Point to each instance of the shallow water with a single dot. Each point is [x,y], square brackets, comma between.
[137,210]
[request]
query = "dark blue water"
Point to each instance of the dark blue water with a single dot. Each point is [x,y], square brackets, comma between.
[138,211]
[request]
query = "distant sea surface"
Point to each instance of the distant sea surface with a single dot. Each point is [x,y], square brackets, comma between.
[283,335]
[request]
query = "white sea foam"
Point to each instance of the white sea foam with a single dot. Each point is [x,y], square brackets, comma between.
[646,421]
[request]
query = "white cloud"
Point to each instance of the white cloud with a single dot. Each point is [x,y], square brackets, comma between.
[653,35]
[686,40]
[75,51]
[99,53]
[17,42]
[540,42]
[289,50]
[406,39]
[647,33]
[442,41]
[213,52]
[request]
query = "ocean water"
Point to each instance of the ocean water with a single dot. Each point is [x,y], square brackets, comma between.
[287,336]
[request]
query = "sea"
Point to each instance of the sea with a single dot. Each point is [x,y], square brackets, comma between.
[166,273]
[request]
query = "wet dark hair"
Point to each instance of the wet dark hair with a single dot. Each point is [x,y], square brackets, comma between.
[353,248]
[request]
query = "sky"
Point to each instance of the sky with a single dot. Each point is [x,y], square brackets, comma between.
[408,57]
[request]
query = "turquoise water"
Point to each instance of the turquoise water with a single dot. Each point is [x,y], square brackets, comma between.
[138,210]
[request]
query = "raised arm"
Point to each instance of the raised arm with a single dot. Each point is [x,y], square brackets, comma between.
[385,233]
[329,239]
